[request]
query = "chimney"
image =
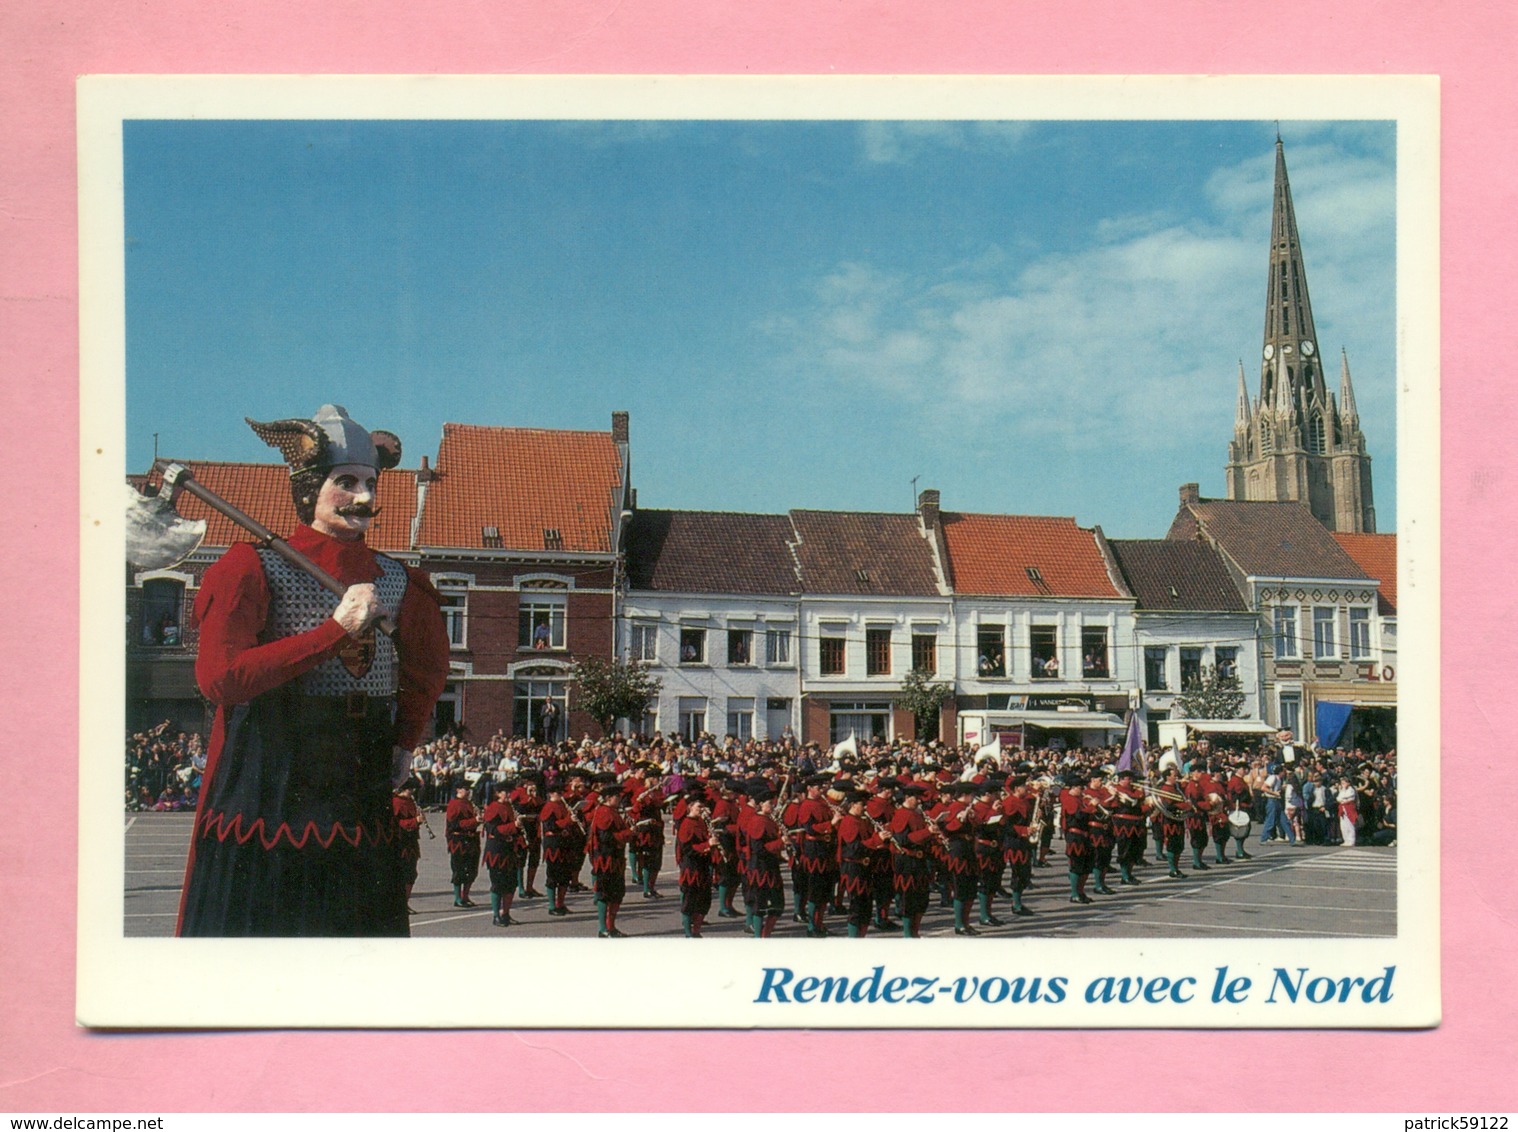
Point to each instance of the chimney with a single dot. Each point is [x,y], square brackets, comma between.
[1190,493]
[932,527]
[424,474]
[619,428]
[927,507]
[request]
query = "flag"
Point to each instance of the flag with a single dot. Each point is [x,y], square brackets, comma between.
[1132,745]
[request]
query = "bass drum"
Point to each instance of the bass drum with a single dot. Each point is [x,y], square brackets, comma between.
[1239,824]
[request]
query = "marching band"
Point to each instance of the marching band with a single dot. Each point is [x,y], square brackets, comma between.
[867,842]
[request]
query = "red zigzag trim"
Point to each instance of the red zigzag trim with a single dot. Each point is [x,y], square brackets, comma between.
[224,826]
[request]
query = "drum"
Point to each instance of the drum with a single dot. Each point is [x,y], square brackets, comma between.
[1239,824]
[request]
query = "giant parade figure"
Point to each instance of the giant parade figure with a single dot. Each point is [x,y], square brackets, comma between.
[316,709]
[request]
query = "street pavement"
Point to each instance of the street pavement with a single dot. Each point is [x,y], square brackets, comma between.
[1283,892]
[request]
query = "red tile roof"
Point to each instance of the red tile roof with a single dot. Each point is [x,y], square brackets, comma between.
[526,483]
[848,552]
[1168,574]
[711,552]
[993,554]
[1377,556]
[1267,539]
[263,492]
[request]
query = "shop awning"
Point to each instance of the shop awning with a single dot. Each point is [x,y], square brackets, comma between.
[1228,726]
[1057,720]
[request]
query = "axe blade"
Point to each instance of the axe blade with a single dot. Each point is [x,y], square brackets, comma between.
[157,536]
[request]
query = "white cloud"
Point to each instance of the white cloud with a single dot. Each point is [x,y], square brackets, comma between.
[886,143]
[1133,340]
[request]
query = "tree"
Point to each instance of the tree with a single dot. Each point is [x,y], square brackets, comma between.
[612,689]
[924,699]
[1210,697]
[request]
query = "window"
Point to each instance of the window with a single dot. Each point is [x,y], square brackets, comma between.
[162,610]
[740,718]
[1286,632]
[533,694]
[1317,435]
[692,645]
[540,621]
[1359,634]
[1323,645]
[1094,652]
[644,644]
[877,652]
[1045,646]
[1291,711]
[777,646]
[1155,657]
[831,656]
[991,657]
[455,607]
[1191,667]
[861,720]
[924,652]
[692,717]
[1227,661]
[740,646]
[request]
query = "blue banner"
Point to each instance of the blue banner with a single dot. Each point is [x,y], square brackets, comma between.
[1331,721]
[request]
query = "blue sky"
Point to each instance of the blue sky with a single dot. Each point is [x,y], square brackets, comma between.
[1034,318]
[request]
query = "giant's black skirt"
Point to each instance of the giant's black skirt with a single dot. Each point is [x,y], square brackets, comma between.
[296,835]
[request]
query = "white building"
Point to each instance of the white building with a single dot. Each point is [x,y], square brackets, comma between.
[1043,625]
[713,604]
[1190,619]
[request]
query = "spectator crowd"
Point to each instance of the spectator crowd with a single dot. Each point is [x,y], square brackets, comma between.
[1303,795]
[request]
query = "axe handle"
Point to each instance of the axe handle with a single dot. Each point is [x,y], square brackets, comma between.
[187,482]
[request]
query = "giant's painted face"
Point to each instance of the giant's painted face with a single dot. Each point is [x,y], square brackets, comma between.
[345,506]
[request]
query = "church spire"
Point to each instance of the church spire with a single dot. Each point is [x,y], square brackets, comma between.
[1241,413]
[1348,413]
[1291,340]
[1293,442]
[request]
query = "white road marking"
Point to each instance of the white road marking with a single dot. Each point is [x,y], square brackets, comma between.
[1278,907]
[1253,930]
[1328,887]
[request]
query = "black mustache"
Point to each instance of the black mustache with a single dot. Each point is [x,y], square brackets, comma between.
[363,510]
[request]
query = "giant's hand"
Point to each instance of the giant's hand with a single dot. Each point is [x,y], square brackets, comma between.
[359,609]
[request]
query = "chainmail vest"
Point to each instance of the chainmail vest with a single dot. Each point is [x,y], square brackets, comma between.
[298,602]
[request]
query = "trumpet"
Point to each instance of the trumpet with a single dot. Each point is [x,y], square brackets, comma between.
[1160,798]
